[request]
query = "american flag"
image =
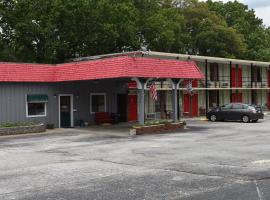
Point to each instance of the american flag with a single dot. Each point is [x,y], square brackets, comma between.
[153,91]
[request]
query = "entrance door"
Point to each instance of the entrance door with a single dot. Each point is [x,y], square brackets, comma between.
[195,105]
[132,108]
[237,97]
[213,98]
[65,111]
[122,107]
[190,105]
[236,76]
[254,97]
[239,81]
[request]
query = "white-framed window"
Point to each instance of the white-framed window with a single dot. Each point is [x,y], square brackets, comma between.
[36,105]
[97,102]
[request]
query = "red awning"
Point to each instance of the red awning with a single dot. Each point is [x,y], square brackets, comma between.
[114,67]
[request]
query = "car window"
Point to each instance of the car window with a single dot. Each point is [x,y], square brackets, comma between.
[245,106]
[237,106]
[226,107]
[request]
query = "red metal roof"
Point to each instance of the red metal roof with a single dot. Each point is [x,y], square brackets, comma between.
[115,67]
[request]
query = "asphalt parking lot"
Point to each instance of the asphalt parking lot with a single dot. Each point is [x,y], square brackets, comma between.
[213,161]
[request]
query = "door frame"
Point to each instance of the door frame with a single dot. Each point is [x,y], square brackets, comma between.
[71,109]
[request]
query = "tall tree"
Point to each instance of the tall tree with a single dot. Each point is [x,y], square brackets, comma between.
[56,30]
[244,20]
[209,33]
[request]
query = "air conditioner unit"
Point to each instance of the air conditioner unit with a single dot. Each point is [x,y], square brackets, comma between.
[224,84]
[211,84]
[247,85]
[257,85]
[217,85]
[264,85]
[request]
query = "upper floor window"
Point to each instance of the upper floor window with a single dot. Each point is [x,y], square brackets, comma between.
[36,105]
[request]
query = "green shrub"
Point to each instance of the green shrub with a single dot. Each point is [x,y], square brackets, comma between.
[16,124]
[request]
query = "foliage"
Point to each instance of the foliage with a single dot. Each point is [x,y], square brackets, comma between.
[54,31]
[158,122]
[244,20]
[209,33]
[17,124]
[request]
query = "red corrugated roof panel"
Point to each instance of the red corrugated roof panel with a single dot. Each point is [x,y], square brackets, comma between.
[115,67]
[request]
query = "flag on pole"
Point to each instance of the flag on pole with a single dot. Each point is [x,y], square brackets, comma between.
[153,91]
[189,87]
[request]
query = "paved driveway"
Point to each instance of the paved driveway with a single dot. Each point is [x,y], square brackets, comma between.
[209,161]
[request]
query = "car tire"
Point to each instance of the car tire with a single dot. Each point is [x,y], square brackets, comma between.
[213,118]
[245,119]
[255,120]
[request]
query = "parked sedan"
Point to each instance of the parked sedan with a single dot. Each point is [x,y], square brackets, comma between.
[235,112]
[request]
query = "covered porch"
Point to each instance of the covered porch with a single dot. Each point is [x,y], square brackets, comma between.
[119,87]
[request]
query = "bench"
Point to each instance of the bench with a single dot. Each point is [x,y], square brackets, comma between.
[103,117]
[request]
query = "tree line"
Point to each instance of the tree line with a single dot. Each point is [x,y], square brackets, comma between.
[54,31]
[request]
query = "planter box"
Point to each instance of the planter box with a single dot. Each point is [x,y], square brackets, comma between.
[159,128]
[22,129]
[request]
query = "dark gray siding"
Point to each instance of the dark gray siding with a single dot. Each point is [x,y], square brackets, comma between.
[13,99]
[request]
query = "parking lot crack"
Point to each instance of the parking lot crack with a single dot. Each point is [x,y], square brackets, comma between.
[259,192]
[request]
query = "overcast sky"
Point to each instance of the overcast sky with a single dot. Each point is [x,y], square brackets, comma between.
[262,8]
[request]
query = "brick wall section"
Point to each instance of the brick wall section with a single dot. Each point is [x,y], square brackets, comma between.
[161,128]
[22,130]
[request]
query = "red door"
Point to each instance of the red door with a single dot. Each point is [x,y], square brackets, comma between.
[186,104]
[187,107]
[237,98]
[195,105]
[236,76]
[239,81]
[132,111]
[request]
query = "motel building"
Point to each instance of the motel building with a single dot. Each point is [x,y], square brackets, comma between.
[118,85]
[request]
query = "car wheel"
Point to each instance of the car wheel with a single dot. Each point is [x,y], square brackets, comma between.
[245,119]
[213,118]
[255,120]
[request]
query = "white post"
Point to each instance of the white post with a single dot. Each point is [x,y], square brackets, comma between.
[175,84]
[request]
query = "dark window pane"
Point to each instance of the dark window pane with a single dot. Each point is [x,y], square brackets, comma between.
[98,103]
[226,107]
[36,109]
[245,106]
